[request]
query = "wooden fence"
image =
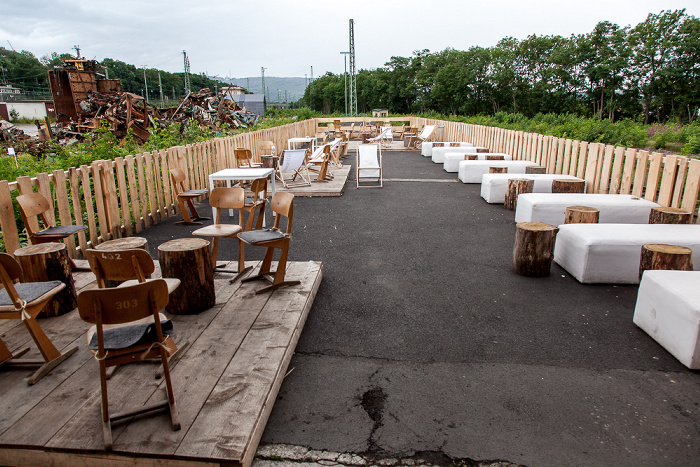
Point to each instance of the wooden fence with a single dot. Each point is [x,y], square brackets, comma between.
[123,197]
[670,180]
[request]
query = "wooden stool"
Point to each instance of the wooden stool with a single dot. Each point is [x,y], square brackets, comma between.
[560,185]
[660,256]
[495,169]
[495,158]
[517,186]
[533,249]
[49,262]
[471,157]
[189,260]
[535,169]
[581,215]
[126,243]
[666,215]
[482,150]
[269,162]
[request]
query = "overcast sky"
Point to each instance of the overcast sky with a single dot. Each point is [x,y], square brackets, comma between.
[236,38]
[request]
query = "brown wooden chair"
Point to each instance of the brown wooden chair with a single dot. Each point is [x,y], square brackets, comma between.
[282,205]
[226,198]
[33,206]
[185,197]
[24,301]
[244,159]
[266,148]
[256,203]
[128,327]
[318,162]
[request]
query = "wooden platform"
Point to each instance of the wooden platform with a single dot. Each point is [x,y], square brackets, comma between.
[333,187]
[225,384]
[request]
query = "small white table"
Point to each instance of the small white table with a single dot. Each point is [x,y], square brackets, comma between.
[292,142]
[236,175]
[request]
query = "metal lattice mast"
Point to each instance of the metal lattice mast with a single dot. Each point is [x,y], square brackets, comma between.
[187,72]
[262,75]
[353,84]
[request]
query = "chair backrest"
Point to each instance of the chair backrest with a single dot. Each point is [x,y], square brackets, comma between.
[123,304]
[120,265]
[266,148]
[368,156]
[282,204]
[427,131]
[244,157]
[259,188]
[227,198]
[10,271]
[31,206]
[177,175]
[293,159]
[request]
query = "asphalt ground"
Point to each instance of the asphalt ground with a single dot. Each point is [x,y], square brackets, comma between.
[422,341]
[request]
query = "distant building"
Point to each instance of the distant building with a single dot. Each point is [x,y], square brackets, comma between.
[10,93]
[233,90]
[252,102]
[380,112]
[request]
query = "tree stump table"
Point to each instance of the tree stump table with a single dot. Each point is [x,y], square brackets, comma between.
[126,243]
[661,256]
[561,185]
[535,169]
[581,215]
[189,260]
[496,169]
[517,186]
[49,262]
[533,249]
[666,215]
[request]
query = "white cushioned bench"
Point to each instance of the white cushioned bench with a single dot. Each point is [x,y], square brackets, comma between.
[668,309]
[610,253]
[454,157]
[471,171]
[426,149]
[438,155]
[551,207]
[494,186]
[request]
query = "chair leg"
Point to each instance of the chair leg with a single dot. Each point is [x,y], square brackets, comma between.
[106,421]
[174,416]
[242,270]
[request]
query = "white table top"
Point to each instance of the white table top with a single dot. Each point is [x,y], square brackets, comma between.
[241,174]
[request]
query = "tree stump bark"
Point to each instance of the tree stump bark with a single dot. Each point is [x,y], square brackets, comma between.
[533,249]
[666,215]
[517,186]
[495,158]
[438,145]
[535,169]
[126,243]
[49,262]
[189,260]
[568,186]
[661,256]
[581,215]
[471,157]
[483,150]
[498,170]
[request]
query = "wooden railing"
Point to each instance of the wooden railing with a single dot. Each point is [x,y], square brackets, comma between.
[124,196]
[670,180]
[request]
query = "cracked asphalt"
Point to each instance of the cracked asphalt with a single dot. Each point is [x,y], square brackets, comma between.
[422,341]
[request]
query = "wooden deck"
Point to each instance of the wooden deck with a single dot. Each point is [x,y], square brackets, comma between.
[333,187]
[225,384]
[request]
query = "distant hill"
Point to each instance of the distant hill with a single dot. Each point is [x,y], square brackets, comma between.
[295,87]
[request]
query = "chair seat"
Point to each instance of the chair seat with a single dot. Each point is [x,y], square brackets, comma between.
[62,230]
[171,282]
[221,230]
[260,236]
[194,192]
[28,292]
[118,336]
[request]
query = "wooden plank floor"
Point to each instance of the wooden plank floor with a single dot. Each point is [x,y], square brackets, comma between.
[225,384]
[333,187]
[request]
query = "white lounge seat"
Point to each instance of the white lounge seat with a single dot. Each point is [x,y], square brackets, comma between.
[494,186]
[452,159]
[426,148]
[551,207]
[610,253]
[368,164]
[668,309]
[471,171]
[294,161]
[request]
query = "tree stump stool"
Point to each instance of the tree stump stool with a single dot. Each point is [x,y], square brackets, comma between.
[533,249]
[495,169]
[666,215]
[581,215]
[438,145]
[495,158]
[471,157]
[661,256]
[269,162]
[535,169]
[49,262]
[560,185]
[126,243]
[517,186]
[189,260]
[483,150]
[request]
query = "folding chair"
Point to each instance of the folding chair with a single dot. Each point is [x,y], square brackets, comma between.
[294,161]
[425,135]
[25,300]
[385,137]
[318,162]
[282,205]
[185,197]
[227,198]
[368,164]
[244,159]
[128,327]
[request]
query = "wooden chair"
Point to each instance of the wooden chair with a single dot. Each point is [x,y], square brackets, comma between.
[128,327]
[256,203]
[185,197]
[425,135]
[282,205]
[244,159]
[318,162]
[226,198]
[25,300]
[266,148]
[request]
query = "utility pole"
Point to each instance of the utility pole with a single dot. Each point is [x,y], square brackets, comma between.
[187,72]
[353,84]
[160,87]
[345,78]
[145,83]
[75,47]
[312,86]
[262,73]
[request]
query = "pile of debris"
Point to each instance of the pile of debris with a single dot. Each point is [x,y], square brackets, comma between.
[211,111]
